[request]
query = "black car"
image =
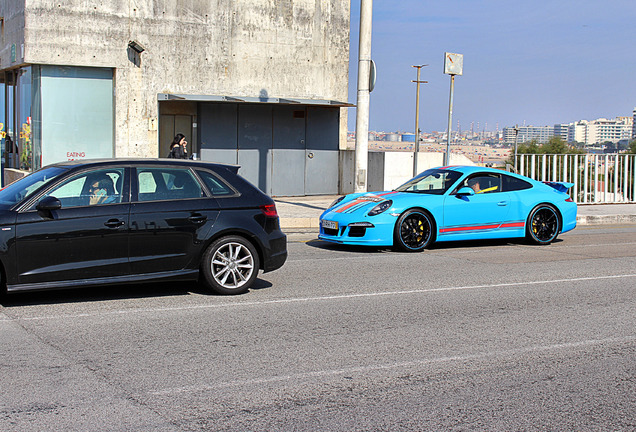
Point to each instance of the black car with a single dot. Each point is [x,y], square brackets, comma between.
[81,223]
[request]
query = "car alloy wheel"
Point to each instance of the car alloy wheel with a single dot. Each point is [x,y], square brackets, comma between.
[230,265]
[543,224]
[414,231]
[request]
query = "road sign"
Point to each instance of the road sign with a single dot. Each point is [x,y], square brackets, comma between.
[453,63]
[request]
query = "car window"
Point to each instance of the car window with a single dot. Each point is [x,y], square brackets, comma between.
[514,184]
[156,184]
[98,187]
[433,181]
[484,183]
[23,188]
[216,186]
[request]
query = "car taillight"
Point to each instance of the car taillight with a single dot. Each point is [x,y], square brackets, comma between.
[569,200]
[269,210]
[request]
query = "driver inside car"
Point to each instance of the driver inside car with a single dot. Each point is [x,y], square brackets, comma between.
[102,191]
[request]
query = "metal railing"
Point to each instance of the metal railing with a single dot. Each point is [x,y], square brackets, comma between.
[603,178]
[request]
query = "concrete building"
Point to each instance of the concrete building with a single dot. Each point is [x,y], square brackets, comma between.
[257,83]
[634,124]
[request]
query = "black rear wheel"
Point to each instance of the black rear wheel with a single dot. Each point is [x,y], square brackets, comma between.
[230,265]
[543,224]
[413,231]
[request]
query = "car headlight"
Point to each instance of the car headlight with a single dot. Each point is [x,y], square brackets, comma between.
[382,207]
[336,202]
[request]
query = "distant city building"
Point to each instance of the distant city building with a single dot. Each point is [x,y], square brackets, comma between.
[604,130]
[586,132]
[577,132]
[521,134]
[562,131]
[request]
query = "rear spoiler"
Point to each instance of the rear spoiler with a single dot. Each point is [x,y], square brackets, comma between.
[560,186]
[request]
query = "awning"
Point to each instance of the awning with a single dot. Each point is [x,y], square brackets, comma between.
[243,99]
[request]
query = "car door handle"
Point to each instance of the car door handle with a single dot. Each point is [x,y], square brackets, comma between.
[114,223]
[198,218]
[502,203]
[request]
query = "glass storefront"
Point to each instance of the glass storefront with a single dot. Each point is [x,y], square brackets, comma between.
[77,113]
[50,114]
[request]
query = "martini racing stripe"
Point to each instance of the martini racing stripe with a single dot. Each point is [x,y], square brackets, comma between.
[467,228]
[360,202]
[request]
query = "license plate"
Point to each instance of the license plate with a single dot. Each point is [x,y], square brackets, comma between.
[329,224]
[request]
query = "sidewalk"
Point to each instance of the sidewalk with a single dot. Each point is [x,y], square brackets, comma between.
[303,212]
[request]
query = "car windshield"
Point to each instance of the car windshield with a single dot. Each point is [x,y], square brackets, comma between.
[433,181]
[23,188]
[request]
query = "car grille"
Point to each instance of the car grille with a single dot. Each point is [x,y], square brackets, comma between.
[357,231]
[330,231]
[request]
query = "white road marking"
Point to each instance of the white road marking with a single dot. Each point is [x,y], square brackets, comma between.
[317,298]
[389,366]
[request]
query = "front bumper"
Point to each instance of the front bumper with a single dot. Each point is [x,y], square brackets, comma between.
[367,231]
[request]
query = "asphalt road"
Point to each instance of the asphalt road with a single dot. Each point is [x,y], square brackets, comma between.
[468,336]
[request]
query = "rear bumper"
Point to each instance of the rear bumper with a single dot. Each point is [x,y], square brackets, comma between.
[569,218]
[276,255]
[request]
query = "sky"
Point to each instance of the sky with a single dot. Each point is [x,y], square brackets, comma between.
[539,62]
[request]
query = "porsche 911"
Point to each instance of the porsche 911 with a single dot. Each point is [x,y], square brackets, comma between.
[449,204]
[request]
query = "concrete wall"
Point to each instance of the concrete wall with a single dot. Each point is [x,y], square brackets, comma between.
[12,14]
[388,170]
[282,48]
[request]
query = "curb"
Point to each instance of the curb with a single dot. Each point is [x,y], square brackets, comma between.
[307,223]
[299,223]
[605,219]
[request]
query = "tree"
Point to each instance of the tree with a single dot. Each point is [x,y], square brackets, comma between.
[632,147]
[555,145]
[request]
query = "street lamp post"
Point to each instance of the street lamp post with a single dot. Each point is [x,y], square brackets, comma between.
[362,110]
[416,149]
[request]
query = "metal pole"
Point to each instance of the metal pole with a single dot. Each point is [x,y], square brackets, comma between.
[516,135]
[416,149]
[450,119]
[362,111]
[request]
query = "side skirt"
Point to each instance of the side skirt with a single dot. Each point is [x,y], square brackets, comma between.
[79,283]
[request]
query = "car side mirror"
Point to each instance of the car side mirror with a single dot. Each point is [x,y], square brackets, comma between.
[49,203]
[465,191]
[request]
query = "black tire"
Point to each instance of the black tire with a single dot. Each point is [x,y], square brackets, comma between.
[413,231]
[230,265]
[543,225]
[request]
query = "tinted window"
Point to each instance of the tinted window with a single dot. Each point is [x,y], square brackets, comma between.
[215,184]
[156,184]
[514,184]
[90,188]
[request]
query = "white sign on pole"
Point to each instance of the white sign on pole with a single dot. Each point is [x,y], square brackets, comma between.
[453,63]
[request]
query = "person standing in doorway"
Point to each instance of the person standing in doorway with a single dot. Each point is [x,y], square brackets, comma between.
[178,148]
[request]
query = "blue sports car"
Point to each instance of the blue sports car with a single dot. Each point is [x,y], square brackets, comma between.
[452,203]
